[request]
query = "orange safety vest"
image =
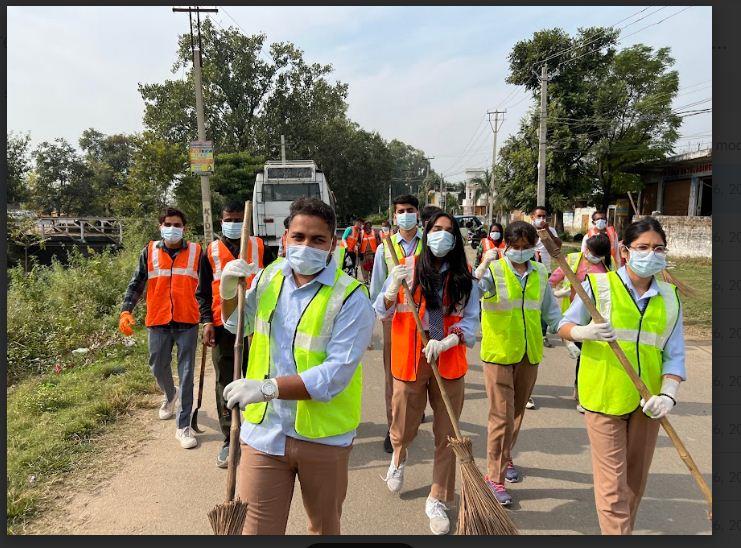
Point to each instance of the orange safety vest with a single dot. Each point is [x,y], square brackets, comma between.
[369,239]
[219,255]
[488,244]
[352,240]
[612,235]
[171,285]
[407,344]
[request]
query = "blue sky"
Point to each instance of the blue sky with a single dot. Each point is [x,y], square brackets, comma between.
[423,74]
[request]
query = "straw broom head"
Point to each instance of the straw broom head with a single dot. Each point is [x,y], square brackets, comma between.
[480,513]
[228,518]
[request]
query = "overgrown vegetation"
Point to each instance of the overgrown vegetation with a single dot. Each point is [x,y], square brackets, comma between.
[70,373]
[54,418]
[698,310]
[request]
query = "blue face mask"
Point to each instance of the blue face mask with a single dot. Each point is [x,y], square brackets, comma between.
[646,263]
[306,260]
[171,234]
[233,231]
[406,221]
[440,242]
[520,256]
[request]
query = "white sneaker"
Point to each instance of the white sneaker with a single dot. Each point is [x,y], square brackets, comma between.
[437,511]
[167,409]
[530,404]
[186,437]
[573,350]
[395,476]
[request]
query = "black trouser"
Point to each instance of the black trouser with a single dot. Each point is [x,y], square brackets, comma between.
[576,373]
[222,356]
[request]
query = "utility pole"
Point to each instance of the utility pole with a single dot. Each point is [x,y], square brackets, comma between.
[492,187]
[542,135]
[442,193]
[283,149]
[427,174]
[196,48]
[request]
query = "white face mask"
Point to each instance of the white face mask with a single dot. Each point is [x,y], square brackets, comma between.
[307,260]
[171,234]
[495,235]
[591,258]
[406,221]
[538,222]
[520,256]
[233,231]
[646,263]
[601,224]
[440,242]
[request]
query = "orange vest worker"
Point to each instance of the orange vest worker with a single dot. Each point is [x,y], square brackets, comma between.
[219,255]
[171,285]
[369,241]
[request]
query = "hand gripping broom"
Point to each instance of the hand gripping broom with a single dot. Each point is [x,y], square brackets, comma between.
[228,518]
[480,513]
[555,252]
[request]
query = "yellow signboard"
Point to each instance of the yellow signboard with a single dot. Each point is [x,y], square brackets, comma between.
[202,157]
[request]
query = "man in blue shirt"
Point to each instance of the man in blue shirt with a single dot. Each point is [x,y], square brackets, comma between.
[273,452]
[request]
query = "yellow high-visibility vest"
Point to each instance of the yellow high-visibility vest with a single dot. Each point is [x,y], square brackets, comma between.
[604,386]
[314,419]
[510,319]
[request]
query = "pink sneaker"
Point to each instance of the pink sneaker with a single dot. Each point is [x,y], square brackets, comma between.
[501,494]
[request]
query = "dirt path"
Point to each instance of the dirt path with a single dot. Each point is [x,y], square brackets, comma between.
[155,487]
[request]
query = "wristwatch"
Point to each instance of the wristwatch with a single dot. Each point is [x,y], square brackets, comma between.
[269,389]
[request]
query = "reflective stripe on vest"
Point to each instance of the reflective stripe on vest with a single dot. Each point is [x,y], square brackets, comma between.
[219,256]
[171,285]
[400,253]
[604,386]
[510,318]
[314,419]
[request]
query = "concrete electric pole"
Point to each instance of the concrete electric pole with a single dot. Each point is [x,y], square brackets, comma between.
[492,187]
[542,135]
[283,149]
[196,47]
[427,174]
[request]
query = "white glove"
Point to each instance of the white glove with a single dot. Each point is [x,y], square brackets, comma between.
[433,348]
[244,392]
[491,255]
[659,406]
[398,274]
[594,332]
[573,350]
[233,271]
[561,293]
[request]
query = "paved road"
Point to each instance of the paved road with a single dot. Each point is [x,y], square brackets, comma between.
[163,489]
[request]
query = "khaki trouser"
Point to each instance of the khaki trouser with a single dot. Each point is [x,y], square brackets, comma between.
[622,449]
[408,403]
[387,367]
[265,482]
[508,388]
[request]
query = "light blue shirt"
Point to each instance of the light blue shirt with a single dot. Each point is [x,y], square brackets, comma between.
[550,310]
[380,270]
[351,334]
[469,323]
[673,354]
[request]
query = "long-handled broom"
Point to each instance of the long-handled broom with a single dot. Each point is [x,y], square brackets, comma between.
[555,252]
[194,416]
[228,518]
[480,513]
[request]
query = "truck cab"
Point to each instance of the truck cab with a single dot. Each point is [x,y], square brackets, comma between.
[276,186]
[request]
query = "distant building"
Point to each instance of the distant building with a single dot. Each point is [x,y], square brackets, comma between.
[471,205]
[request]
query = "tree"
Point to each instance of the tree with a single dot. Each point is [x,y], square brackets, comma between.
[251,96]
[234,178]
[62,180]
[109,159]
[606,111]
[18,164]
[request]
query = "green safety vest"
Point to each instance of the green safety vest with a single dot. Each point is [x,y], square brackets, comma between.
[339,255]
[399,251]
[573,260]
[604,386]
[314,419]
[510,318]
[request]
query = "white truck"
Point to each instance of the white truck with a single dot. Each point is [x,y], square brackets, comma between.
[276,186]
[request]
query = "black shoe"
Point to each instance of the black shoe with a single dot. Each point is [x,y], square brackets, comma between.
[387,443]
[423,417]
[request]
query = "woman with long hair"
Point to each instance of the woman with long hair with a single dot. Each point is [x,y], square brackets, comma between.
[447,299]
[644,315]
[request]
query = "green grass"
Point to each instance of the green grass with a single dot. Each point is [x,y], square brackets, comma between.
[698,310]
[54,419]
